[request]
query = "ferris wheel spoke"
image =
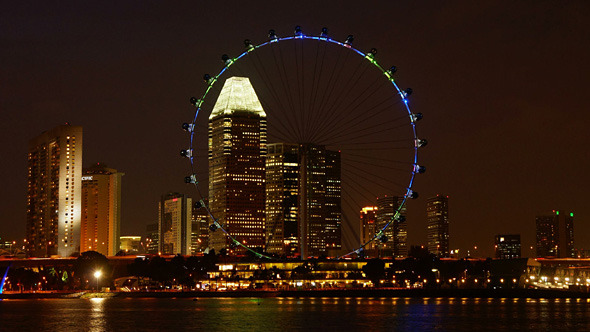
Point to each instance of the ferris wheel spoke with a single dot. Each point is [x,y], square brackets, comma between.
[315,85]
[351,175]
[327,97]
[381,159]
[343,130]
[361,134]
[332,110]
[350,224]
[270,87]
[357,101]
[346,123]
[359,188]
[388,167]
[300,87]
[345,143]
[285,93]
[273,94]
[286,87]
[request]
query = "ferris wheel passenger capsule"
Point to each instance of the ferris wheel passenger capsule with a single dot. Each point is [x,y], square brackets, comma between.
[188,127]
[420,142]
[193,100]
[198,204]
[208,79]
[400,218]
[190,179]
[392,70]
[186,153]
[371,54]
[272,35]
[348,41]
[412,194]
[407,92]
[226,59]
[383,238]
[213,227]
[324,33]
[419,169]
[298,32]
[416,117]
[249,45]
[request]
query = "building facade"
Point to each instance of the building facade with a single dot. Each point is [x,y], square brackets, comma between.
[303,200]
[368,225]
[131,244]
[437,214]
[152,239]
[175,224]
[54,185]
[200,229]
[555,235]
[237,152]
[101,210]
[507,246]
[282,199]
[397,232]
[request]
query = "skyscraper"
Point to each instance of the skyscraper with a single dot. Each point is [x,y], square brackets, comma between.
[437,214]
[200,229]
[397,232]
[368,225]
[152,239]
[101,210]
[320,210]
[237,152]
[282,203]
[175,223]
[507,246]
[303,202]
[555,235]
[54,192]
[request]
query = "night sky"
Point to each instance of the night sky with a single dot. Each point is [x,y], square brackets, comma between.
[503,86]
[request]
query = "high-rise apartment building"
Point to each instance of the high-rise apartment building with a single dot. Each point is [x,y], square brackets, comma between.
[368,225]
[555,235]
[101,210]
[507,246]
[397,232]
[437,214]
[237,152]
[54,192]
[175,224]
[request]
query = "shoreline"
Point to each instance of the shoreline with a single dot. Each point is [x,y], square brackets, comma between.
[329,293]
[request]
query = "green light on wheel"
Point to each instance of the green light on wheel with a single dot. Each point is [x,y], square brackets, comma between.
[571,214]
[557,212]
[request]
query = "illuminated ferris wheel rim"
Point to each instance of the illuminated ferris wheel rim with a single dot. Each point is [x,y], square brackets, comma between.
[323,37]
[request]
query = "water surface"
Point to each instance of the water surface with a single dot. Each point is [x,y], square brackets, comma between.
[290,314]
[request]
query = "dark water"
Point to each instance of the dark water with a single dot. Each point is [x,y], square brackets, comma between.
[313,314]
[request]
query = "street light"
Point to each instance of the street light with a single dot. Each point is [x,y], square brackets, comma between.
[97,275]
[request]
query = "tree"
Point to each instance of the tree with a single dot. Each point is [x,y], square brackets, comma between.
[375,270]
[88,263]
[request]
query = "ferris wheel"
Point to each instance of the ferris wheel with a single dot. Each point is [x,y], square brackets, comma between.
[315,91]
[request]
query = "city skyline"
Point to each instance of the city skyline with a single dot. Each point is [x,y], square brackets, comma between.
[502,156]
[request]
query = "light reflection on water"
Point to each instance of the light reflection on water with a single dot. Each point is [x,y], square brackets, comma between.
[280,314]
